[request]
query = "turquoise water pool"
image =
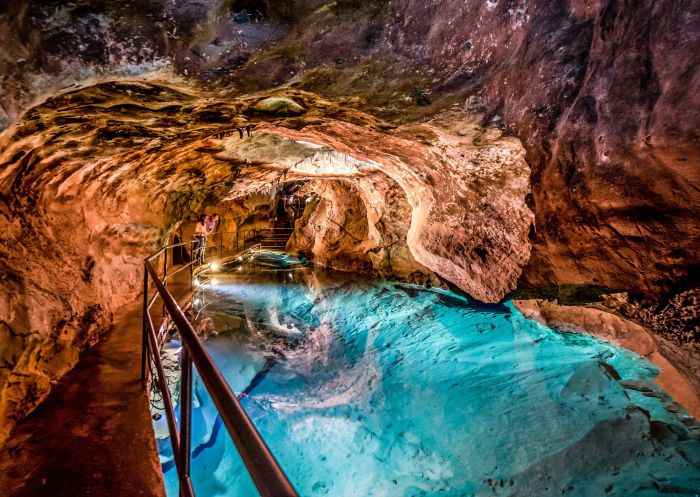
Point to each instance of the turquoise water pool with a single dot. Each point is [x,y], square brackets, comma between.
[377,388]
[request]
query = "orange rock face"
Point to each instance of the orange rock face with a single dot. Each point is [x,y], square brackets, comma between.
[96,178]
[488,143]
[602,96]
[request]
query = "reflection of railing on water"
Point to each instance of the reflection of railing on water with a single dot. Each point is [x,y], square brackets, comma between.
[262,467]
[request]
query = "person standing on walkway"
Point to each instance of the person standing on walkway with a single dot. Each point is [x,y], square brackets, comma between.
[200,239]
[209,223]
[212,224]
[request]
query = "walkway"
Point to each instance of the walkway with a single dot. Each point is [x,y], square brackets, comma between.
[93,434]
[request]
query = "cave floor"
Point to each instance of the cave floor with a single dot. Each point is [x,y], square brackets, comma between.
[93,435]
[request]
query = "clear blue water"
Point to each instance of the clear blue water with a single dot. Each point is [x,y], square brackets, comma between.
[376,388]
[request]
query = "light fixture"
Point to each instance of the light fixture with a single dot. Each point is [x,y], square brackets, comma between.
[213,282]
[214,266]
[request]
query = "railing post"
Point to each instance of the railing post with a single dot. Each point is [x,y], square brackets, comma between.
[262,467]
[144,341]
[192,259]
[165,272]
[185,412]
[165,265]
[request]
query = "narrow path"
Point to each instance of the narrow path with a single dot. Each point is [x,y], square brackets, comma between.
[93,435]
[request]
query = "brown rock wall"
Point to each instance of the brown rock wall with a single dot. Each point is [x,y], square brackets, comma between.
[603,95]
[95,179]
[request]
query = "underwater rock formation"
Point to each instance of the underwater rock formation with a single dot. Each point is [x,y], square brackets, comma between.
[620,332]
[340,372]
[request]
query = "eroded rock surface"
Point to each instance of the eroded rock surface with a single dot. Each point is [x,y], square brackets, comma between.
[466,189]
[601,94]
[620,332]
[97,178]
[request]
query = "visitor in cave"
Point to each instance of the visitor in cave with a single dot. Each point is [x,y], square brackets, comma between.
[298,204]
[212,224]
[200,239]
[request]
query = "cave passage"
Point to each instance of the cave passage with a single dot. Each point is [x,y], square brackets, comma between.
[468,238]
[453,397]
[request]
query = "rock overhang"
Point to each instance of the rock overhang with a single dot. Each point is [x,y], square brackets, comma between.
[596,127]
[168,142]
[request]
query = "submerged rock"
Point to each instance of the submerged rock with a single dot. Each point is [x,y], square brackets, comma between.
[407,378]
[624,333]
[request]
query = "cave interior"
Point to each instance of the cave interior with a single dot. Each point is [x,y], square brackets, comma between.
[424,170]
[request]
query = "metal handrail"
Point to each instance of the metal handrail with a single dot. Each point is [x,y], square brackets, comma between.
[262,466]
[275,235]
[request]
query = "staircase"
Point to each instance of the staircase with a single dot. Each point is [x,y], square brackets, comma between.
[267,238]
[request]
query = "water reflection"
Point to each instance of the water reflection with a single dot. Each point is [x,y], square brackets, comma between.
[375,388]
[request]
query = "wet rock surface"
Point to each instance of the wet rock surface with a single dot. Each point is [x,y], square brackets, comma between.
[681,383]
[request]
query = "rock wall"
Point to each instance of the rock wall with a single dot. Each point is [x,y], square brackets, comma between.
[602,95]
[466,188]
[95,179]
[334,227]
[599,92]
[359,225]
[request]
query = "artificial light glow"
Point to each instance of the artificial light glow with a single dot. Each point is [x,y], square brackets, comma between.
[214,282]
[214,266]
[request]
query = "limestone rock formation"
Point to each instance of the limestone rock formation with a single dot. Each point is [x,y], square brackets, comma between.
[493,144]
[621,332]
[361,226]
[96,178]
[602,94]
